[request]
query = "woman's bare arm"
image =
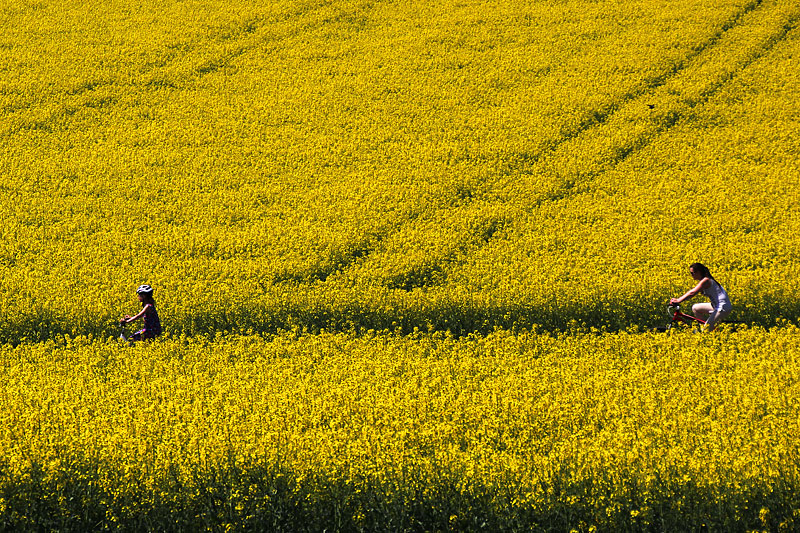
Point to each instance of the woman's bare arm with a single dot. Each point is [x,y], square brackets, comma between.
[691,293]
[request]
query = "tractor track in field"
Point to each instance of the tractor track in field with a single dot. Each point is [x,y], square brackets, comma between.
[601,116]
[713,88]
[170,73]
[557,164]
[566,184]
[179,71]
[257,34]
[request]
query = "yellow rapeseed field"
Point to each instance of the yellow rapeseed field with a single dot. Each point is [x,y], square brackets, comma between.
[650,431]
[407,257]
[333,164]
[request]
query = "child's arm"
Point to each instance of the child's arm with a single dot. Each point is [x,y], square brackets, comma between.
[129,318]
[691,293]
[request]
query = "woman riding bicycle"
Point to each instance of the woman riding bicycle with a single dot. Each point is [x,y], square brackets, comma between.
[720,306]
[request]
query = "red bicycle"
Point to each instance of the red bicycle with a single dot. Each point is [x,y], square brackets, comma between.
[679,318]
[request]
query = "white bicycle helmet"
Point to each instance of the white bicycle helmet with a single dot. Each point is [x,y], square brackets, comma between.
[144,289]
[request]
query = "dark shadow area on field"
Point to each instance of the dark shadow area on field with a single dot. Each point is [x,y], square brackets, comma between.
[461,318]
[83,495]
[334,263]
[458,317]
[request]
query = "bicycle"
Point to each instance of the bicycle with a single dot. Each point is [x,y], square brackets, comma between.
[678,317]
[123,334]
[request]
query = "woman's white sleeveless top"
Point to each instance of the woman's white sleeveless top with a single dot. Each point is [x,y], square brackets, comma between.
[717,295]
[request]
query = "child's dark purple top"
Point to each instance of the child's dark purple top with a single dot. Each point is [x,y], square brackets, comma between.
[151,322]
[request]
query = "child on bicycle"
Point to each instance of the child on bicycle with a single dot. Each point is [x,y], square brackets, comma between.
[152,324]
[720,306]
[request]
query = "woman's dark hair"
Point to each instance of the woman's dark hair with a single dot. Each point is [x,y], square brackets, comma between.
[701,269]
[147,299]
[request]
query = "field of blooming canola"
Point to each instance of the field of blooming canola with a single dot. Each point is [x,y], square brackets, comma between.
[507,192]
[381,165]
[617,432]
